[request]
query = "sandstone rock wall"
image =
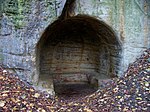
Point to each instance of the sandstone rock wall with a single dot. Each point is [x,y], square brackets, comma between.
[23,21]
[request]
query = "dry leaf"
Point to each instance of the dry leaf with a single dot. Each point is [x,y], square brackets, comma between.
[2,103]
[36,95]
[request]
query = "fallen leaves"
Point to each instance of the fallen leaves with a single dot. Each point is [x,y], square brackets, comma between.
[126,94]
[87,110]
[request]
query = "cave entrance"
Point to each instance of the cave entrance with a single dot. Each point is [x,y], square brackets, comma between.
[78,50]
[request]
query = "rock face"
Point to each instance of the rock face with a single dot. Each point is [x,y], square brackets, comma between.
[22,23]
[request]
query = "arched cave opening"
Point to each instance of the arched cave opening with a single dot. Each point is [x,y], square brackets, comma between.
[77,50]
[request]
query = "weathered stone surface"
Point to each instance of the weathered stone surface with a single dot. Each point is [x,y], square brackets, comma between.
[22,23]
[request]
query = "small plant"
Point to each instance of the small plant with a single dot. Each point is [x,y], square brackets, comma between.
[16,11]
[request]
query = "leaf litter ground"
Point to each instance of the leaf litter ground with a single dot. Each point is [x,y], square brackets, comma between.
[129,93]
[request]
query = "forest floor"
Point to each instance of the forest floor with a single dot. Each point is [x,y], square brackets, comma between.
[129,93]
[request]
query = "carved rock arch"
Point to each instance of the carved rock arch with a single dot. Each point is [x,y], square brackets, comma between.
[77,48]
